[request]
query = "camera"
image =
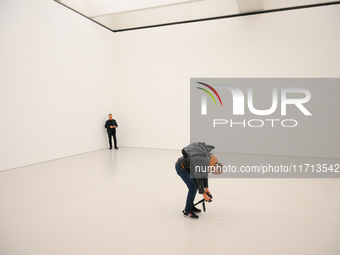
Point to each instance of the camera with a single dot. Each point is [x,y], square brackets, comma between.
[209,195]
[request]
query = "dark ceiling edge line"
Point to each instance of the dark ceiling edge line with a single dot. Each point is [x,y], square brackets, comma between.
[82,15]
[231,16]
[207,19]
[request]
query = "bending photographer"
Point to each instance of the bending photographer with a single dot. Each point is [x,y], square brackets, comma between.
[196,154]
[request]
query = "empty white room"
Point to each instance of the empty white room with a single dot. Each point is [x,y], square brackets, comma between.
[169,127]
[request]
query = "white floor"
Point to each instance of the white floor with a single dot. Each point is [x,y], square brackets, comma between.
[130,201]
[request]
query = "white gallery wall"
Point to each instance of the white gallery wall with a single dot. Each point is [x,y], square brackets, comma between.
[154,66]
[56,73]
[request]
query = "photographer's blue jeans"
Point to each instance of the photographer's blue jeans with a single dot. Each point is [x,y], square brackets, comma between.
[191,184]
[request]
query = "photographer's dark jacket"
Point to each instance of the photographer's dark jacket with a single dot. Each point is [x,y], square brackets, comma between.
[109,123]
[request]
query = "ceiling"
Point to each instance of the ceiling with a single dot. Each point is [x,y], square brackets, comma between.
[122,15]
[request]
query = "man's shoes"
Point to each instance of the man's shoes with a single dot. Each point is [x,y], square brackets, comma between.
[116,148]
[190,215]
[110,148]
[195,210]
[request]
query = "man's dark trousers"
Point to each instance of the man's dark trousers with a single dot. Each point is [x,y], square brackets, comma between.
[191,184]
[112,134]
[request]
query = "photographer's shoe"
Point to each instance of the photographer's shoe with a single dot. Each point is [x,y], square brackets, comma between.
[190,215]
[195,210]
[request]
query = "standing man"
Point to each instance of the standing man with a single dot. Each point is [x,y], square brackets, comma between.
[111,126]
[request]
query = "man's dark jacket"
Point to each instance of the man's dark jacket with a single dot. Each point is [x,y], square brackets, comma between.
[109,123]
